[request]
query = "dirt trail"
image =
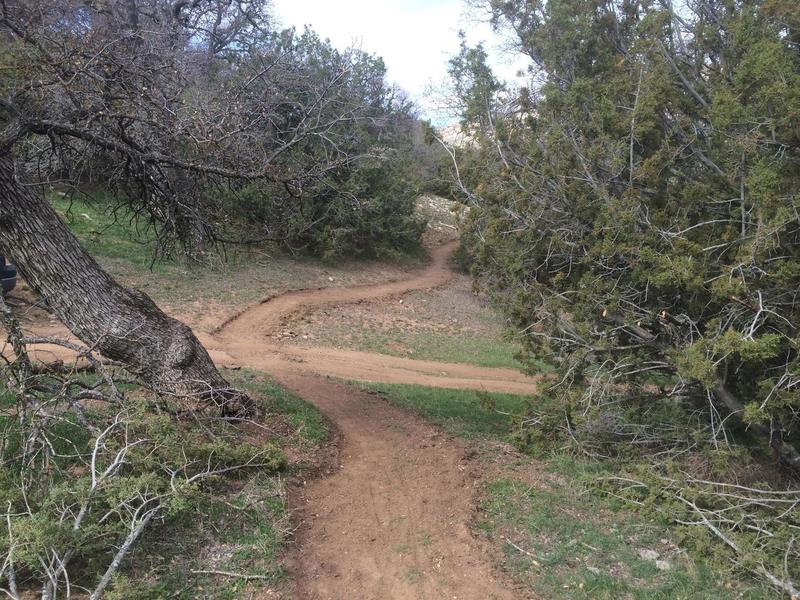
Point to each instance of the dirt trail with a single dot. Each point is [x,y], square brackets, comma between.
[263,319]
[393,521]
[249,340]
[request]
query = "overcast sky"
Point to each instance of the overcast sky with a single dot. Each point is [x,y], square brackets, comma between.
[414,37]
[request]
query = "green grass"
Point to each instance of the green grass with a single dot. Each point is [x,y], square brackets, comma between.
[243,528]
[124,239]
[241,532]
[105,235]
[424,345]
[7,398]
[125,247]
[464,413]
[245,531]
[587,549]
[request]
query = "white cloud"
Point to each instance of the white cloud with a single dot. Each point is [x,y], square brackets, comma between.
[414,37]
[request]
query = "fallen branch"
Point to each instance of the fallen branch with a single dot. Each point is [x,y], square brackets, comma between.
[244,576]
[526,553]
[784,585]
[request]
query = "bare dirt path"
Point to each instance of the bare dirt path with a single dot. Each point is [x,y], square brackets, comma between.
[249,340]
[264,318]
[393,520]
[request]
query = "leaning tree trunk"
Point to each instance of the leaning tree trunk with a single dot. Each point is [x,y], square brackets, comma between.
[122,324]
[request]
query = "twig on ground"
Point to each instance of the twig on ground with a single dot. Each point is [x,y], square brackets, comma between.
[246,576]
[526,553]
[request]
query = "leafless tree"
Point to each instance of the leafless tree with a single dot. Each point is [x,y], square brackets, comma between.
[102,478]
[173,104]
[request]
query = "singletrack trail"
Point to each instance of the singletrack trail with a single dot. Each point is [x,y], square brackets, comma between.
[265,317]
[248,340]
[393,519]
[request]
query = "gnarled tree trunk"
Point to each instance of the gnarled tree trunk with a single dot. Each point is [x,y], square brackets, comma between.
[121,324]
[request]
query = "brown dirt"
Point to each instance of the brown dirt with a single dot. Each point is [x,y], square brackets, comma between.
[393,520]
[250,340]
[263,319]
[452,323]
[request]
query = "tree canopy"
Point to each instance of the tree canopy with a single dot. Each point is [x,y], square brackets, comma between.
[209,124]
[635,215]
[638,213]
[194,112]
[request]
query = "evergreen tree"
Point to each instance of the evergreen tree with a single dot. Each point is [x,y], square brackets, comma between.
[636,216]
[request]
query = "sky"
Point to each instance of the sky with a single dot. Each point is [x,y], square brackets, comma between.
[414,37]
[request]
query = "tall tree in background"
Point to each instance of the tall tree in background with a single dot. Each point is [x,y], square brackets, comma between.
[176,106]
[637,214]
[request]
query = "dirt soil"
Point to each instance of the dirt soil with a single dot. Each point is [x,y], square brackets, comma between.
[393,520]
[251,339]
[451,323]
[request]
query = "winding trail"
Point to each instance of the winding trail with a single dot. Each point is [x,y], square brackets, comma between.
[392,521]
[249,340]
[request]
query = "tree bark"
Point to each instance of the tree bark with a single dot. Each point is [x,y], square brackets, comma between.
[121,324]
[787,453]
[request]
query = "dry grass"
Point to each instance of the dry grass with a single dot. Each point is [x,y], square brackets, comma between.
[449,324]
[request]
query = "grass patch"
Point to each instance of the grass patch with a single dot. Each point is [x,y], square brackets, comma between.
[241,531]
[448,325]
[467,349]
[106,234]
[120,239]
[125,247]
[7,398]
[244,526]
[566,543]
[240,524]
[465,413]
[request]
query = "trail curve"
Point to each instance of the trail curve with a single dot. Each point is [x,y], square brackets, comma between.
[249,340]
